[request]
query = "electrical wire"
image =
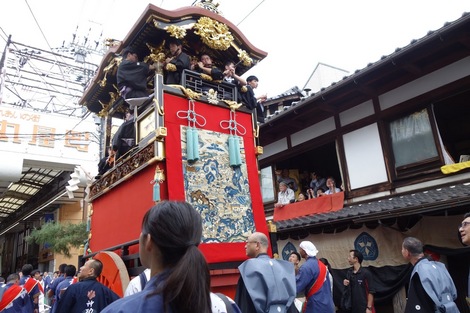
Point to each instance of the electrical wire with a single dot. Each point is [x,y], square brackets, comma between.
[47,42]
[256,7]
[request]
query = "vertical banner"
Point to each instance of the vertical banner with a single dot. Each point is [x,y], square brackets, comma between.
[228,197]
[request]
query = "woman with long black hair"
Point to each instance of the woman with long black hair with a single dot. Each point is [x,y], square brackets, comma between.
[180,280]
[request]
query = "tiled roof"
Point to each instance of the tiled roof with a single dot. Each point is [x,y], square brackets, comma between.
[414,203]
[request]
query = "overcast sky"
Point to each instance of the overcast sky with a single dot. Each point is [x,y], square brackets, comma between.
[297,34]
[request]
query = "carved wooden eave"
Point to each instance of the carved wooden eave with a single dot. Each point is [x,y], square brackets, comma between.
[193,25]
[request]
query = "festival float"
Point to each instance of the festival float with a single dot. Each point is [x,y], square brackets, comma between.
[195,142]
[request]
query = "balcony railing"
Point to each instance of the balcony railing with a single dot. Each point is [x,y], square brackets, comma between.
[193,81]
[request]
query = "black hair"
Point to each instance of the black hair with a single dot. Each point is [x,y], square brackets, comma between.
[357,254]
[252,77]
[35,271]
[128,50]
[27,269]
[176,229]
[62,268]
[70,270]
[175,41]
[297,254]
[466,215]
[327,264]
[97,265]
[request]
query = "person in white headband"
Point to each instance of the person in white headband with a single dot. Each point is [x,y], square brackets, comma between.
[312,281]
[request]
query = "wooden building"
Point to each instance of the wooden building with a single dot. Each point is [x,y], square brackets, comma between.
[396,137]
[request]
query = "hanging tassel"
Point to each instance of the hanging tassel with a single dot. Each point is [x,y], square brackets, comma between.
[238,157]
[195,144]
[156,192]
[234,156]
[189,145]
[231,156]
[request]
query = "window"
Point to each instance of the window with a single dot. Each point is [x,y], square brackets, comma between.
[413,140]
[267,184]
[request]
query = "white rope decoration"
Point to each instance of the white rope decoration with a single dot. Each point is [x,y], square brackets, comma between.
[191,115]
[232,125]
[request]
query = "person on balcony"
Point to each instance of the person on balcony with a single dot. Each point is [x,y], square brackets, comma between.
[331,184]
[301,197]
[251,101]
[285,195]
[107,162]
[317,184]
[132,75]
[283,176]
[205,66]
[124,139]
[230,75]
[176,64]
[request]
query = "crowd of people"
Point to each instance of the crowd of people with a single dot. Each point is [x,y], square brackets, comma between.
[316,186]
[168,245]
[132,75]
[132,80]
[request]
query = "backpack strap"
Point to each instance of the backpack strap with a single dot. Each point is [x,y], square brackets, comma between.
[143,280]
[228,304]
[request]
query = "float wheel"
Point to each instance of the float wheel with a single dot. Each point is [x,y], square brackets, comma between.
[114,274]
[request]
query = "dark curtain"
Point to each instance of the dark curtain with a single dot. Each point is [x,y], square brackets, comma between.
[388,280]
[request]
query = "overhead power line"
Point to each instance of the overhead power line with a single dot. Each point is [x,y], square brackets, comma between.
[256,7]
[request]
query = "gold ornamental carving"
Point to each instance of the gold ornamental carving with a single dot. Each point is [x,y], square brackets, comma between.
[214,34]
[206,77]
[175,31]
[245,58]
[106,106]
[233,105]
[157,54]
[170,67]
